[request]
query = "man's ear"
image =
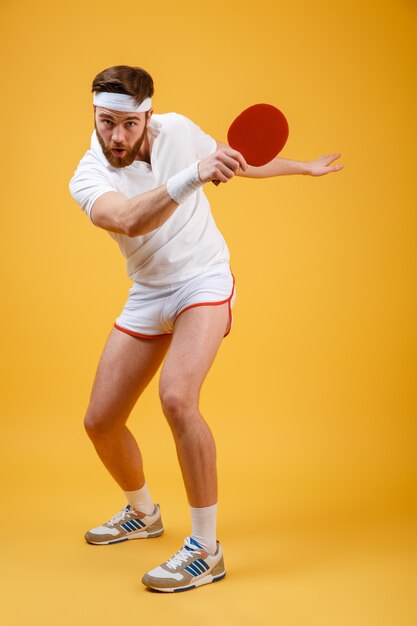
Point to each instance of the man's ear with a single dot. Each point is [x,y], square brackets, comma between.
[148,116]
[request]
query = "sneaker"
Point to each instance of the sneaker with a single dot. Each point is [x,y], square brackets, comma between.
[191,567]
[127,524]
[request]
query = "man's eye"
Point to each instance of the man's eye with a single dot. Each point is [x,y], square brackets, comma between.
[108,122]
[131,123]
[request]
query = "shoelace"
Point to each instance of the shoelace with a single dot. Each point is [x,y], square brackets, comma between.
[120,515]
[178,559]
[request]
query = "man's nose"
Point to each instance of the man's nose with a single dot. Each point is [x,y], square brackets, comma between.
[118,134]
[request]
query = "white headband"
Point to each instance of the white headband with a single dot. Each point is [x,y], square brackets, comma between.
[120,102]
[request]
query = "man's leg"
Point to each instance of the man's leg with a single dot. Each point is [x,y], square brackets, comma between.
[196,339]
[197,336]
[126,367]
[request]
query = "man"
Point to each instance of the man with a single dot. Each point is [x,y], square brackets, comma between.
[142,181]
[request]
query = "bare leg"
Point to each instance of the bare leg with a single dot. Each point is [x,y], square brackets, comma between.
[196,339]
[126,367]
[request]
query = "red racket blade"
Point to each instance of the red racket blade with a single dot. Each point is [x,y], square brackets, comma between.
[259,133]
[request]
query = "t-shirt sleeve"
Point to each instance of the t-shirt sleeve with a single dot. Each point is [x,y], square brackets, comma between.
[204,144]
[89,183]
[179,143]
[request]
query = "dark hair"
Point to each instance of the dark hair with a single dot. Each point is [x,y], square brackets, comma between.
[133,81]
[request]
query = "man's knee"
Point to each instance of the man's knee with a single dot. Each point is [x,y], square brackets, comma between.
[178,407]
[96,425]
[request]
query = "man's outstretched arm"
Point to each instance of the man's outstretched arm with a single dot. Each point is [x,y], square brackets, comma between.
[283,167]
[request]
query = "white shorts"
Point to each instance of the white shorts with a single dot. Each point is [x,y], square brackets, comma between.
[152,311]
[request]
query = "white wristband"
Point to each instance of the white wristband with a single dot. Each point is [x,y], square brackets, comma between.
[182,185]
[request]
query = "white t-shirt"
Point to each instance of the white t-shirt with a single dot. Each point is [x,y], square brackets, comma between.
[189,241]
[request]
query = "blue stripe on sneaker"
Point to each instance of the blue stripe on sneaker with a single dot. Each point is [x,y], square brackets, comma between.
[195,543]
[194,569]
[139,521]
[199,567]
[134,524]
[203,563]
[137,524]
[129,526]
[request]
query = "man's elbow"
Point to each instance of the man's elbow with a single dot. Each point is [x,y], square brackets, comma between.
[130,225]
[113,218]
[133,231]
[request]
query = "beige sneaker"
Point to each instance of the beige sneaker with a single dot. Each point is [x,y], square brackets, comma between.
[191,567]
[127,524]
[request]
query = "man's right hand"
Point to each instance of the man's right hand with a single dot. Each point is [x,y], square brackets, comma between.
[222,165]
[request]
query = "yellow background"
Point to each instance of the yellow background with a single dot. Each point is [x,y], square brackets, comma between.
[313,396]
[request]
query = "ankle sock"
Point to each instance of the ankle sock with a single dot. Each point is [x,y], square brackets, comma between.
[141,500]
[204,526]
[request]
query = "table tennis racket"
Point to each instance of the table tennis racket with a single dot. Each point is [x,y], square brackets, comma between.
[259,133]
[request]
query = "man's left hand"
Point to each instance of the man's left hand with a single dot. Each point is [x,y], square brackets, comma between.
[321,166]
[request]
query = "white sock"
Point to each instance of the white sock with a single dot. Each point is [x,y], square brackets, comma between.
[140,500]
[204,527]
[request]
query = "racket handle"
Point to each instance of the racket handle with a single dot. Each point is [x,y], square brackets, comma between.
[216,182]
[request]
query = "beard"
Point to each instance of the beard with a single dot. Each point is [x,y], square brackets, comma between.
[131,152]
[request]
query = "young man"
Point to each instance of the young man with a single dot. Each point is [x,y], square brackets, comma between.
[142,181]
